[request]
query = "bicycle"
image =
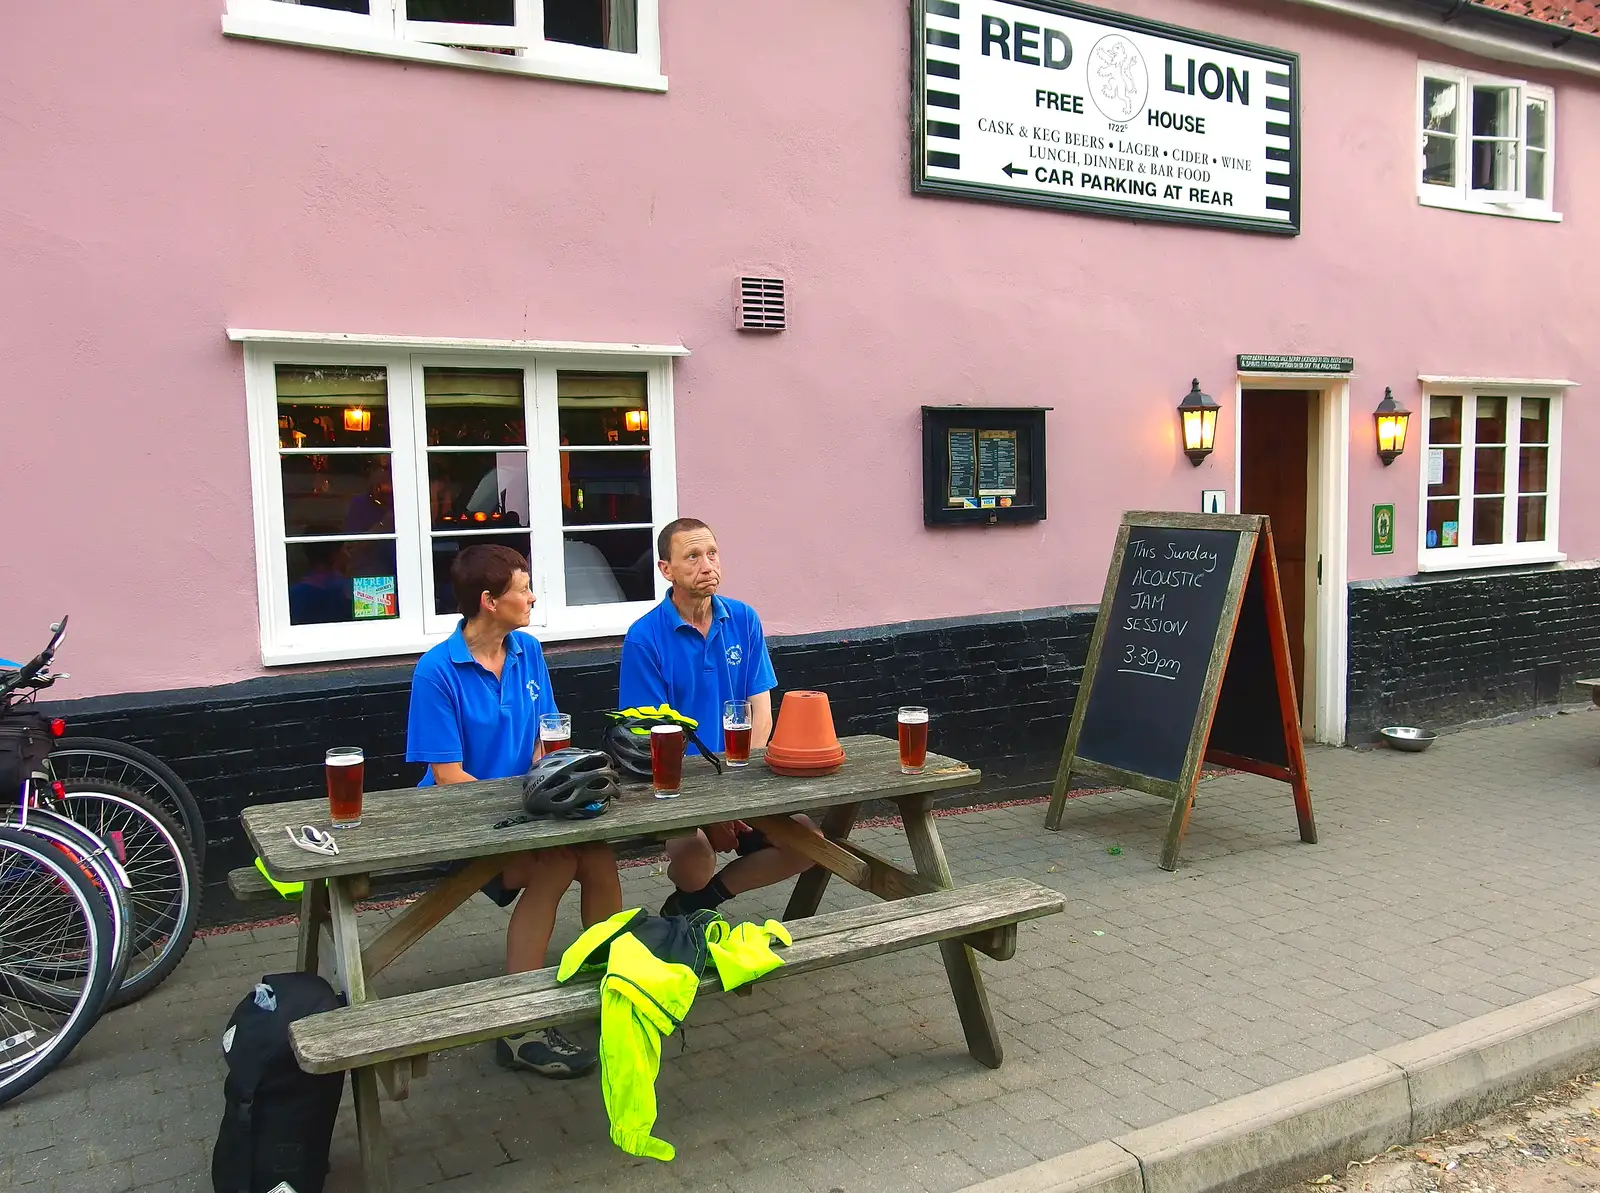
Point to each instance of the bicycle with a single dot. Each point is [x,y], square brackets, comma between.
[55,958]
[100,758]
[156,893]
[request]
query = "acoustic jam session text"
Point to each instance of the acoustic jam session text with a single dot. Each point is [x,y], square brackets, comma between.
[1156,572]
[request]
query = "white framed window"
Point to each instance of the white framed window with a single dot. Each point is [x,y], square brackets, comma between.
[1485,143]
[1491,473]
[374,464]
[616,42]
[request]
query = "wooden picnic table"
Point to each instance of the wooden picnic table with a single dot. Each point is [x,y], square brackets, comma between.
[412,827]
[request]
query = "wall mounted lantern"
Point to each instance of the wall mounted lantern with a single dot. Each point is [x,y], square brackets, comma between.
[636,420]
[1392,419]
[357,418]
[1199,414]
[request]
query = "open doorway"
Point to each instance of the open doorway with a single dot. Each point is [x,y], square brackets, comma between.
[1279,455]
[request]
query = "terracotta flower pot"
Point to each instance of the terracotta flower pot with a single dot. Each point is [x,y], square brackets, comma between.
[804,741]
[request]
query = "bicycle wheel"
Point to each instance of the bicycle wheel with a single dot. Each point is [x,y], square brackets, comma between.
[50,917]
[77,846]
[164,899]
[101,758]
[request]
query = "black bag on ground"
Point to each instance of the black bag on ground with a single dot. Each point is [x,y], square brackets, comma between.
[278,1120]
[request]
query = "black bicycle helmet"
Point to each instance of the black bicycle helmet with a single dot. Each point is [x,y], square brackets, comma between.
[627,741]
[571,783]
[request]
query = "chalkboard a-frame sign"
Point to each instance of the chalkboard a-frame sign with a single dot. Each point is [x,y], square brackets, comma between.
[1189,663]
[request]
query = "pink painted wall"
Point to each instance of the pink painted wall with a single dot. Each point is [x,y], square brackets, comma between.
[163,182]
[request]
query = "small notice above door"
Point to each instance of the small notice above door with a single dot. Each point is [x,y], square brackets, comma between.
[997,463]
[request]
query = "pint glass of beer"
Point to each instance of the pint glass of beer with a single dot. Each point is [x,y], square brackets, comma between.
[344,767]
[736,732]
[913,739]
[555,731]
[666,760]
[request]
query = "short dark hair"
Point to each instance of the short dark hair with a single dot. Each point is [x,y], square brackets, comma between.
[483,568]
[681,526]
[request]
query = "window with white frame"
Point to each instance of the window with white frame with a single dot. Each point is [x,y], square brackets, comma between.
[374,468]
[1490,467]
[1486,143]
[601,41]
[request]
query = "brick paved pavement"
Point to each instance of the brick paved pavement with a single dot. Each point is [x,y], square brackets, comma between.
[1447,884]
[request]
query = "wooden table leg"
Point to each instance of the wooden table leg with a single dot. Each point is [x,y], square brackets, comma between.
[313,914]
[364,1082]
[810,886]
[960,962]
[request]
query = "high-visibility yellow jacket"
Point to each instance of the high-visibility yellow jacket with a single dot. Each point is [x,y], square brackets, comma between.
[652,972]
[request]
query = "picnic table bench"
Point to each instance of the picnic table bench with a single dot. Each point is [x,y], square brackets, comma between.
[387,1040]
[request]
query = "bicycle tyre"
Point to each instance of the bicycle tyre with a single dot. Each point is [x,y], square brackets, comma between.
[160,782]
[164,903]
[23,855]
[77,846]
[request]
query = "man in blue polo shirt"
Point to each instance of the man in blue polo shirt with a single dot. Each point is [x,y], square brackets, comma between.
[476,700]
[694,651]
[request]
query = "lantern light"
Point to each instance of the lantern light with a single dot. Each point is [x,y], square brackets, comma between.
[1199,414]
[357,418]
[1392,419]
[636,420]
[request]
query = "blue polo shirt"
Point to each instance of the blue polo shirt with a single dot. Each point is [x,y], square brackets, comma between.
[667,660]
[461,713]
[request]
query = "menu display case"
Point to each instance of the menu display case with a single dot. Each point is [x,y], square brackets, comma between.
[983,465]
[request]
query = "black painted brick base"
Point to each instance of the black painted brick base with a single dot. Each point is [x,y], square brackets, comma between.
[1000,687]
[1439,652]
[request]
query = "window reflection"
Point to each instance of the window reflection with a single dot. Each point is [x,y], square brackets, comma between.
[609,566]
[332,581]
[447,547]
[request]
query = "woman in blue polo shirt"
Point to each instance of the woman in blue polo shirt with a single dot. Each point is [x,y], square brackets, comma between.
[476,700]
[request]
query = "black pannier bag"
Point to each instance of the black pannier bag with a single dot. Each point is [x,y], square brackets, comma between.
[25,742]
[278,1121]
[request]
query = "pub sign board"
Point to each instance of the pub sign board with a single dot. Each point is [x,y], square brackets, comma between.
[1055,104]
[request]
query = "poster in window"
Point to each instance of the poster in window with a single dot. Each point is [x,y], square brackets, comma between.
[1436,465]
[963,489]
[997,463]
[1451,535]
[374,597]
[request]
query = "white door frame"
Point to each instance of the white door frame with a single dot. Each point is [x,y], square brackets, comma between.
[1332,647]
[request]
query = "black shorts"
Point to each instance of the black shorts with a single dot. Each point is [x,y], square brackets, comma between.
[752,841]
[494,888]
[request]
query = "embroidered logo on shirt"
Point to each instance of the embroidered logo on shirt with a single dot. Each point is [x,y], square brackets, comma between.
[533,690]
[735,655]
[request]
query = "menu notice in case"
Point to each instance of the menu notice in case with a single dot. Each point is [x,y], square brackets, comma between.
[997,464]
[963,492]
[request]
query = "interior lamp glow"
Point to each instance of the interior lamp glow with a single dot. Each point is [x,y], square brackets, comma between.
[1199,414]
[1392,419]
[636,420]
[357,418]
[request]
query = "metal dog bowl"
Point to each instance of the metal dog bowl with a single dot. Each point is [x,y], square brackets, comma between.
[1408,738]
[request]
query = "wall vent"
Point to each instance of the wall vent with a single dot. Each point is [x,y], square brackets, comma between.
[762,306]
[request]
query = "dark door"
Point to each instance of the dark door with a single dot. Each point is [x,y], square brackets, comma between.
[1274,430]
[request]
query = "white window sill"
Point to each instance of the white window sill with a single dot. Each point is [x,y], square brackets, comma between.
[1445,559]
[400,646]
[1451,201]
[615,70]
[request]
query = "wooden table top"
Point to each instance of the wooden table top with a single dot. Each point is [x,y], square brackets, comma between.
[415,826]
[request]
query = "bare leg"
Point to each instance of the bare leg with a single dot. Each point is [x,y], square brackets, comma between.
[691,862]
[764,867]
[599,884]
[544,877]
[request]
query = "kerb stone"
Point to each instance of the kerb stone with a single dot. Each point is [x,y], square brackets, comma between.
[1463,1072]
[1277,1136]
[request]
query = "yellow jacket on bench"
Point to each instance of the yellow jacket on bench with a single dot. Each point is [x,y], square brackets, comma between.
[652,972]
